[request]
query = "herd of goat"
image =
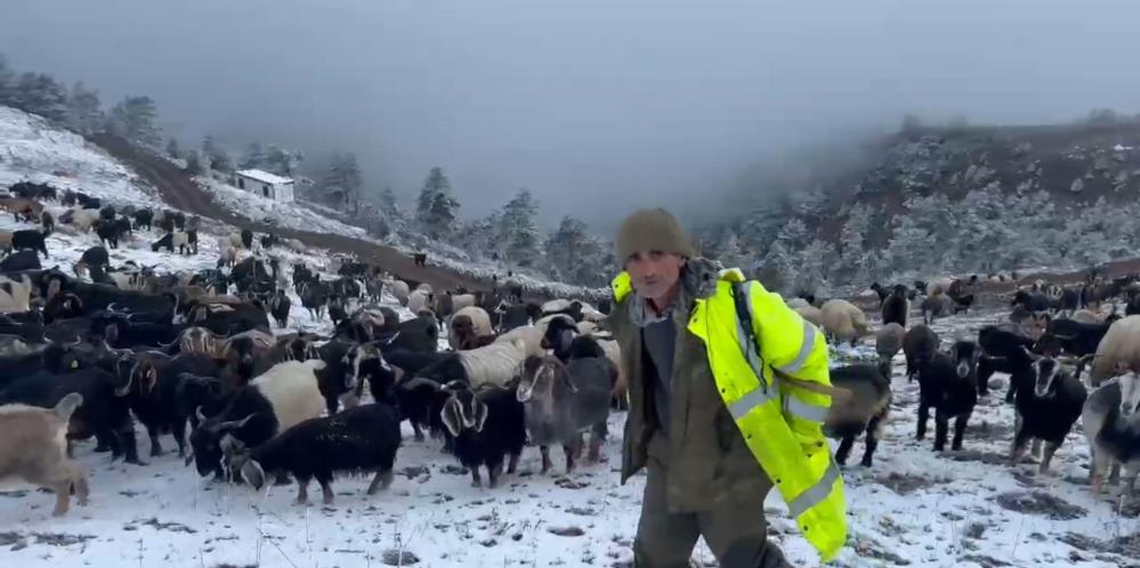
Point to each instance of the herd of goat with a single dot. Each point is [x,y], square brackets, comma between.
[196,357]
[1052,335]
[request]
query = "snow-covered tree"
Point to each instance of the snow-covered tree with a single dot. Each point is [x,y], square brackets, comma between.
[39,93]
[520,228]
[253,158]
[215,157]
[193,163]
[83,110]
[282,161]
[172,149]
[912,246]
[136,119]
[388,203]
[436,208]
[852,264]
[341,185]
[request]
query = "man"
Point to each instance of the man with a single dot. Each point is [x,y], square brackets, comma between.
[719,412]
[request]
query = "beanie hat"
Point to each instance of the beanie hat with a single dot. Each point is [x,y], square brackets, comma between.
[653,230]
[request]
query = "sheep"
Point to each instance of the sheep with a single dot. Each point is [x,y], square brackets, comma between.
[15,294]
[1120,346]
[84,219]
[32,448]
[234,240]
[1047,408]
[896,306]
[888,342]
[495,364]
[919,344]
[948,382]
[934,306]
[359,440]
[864,410]
[488,424]
[399,290]
[843,321]
[1074,338]
[273,402]
[1085,316]
[418,300]
[1111,422]
[468,326]
[810,313]
[563,400]
[531,335]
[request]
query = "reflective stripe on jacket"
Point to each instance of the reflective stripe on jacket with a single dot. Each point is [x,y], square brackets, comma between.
[781,424]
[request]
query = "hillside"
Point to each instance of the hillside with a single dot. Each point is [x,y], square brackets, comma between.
[935,200]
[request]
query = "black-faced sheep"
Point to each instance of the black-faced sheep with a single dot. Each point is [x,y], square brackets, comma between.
[32,449]
[470,328]
[1047,408]
[359,440]
[487,424]
[273,402]
[947,382]
[864,410]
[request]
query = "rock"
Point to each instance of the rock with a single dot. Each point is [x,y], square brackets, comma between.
[1040,503]
[393,557]
[566,531]
[1077,186]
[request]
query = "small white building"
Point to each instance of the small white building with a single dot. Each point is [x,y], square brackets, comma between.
[265,184]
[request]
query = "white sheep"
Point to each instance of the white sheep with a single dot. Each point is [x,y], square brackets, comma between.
[532,334]
[84,219]
[1085,316]
[1120,348]
[292,389]
[15,295]
[418,300]
[425,288]
[940,286]
[235,240]
[797,302]
[844,321]
[295,245]
[494,364]
[399,289]
[480,324]
[33,448]
[810,313]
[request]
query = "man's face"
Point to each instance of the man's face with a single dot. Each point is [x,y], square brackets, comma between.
[653,273]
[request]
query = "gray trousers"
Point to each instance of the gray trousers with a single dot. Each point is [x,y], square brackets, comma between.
[737,533]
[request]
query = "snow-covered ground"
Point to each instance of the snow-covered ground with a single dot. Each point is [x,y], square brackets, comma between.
[913,507]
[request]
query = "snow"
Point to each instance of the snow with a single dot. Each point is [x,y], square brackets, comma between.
[287,215]
[32,150]
[264,176]
[926,508]
[1121,148]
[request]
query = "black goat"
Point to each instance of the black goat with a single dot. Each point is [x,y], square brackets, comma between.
[947,382]
[919,344]
[488,424]
[1047,408]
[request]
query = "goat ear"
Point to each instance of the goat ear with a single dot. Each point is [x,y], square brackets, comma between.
[253,474]
[201,415]
[449,414]
[150,379]
[480,416]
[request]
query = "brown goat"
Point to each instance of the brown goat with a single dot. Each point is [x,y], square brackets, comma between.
[33,448]
[22,206]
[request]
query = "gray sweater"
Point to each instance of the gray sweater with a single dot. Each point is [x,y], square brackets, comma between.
[660,341]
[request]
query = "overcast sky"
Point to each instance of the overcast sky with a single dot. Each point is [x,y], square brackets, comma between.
[588,102]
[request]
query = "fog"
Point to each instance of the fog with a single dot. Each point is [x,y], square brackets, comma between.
[597,106]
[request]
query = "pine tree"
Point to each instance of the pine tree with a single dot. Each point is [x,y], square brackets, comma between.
[193,163]
[39,93]
[281,161]
[84,115]
[853,246]
[136,119]
[436,207]
[172,149]
[388,203]
[215,157]
[520,229]
[7,82]
[563,246]
[253,158]
[341,185]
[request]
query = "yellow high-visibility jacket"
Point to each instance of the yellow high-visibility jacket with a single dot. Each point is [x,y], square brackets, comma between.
[780,423]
